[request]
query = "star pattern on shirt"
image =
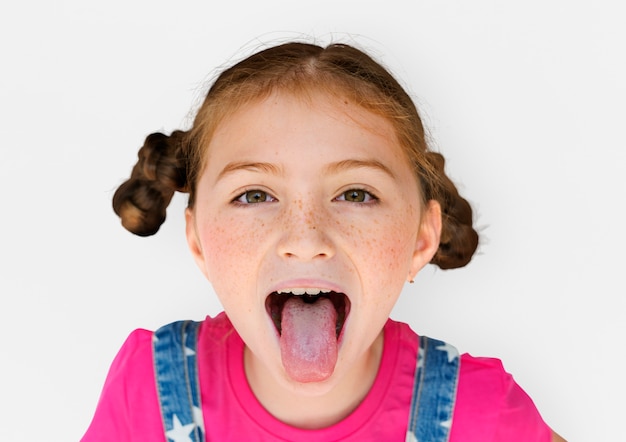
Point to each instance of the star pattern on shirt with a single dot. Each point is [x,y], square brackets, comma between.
[420,358]
[189,352]
[180,432]
[198,418]
[410,437]
[452,352]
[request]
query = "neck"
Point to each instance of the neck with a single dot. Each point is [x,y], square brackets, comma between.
[305,407]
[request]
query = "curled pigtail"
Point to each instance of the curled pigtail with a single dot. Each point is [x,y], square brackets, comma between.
[458,240]
[161,169]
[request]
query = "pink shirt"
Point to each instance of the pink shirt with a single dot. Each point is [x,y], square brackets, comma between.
[490,406]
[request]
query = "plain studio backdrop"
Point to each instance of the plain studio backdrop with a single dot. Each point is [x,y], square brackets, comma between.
[525,100]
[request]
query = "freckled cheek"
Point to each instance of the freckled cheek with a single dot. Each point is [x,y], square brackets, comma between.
[230,246]
[393,257]
[384,250]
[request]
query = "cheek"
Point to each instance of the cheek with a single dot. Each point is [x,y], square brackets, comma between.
[392,265]
[385,248]
[229,246]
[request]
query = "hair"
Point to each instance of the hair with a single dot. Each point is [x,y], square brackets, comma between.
[167,164]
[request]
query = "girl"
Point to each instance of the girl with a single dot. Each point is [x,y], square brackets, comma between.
[313,197]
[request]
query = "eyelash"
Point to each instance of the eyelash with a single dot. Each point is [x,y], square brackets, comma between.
[369,197]
[243,201]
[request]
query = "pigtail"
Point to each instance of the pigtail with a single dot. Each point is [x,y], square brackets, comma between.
[161,170]
[458,240]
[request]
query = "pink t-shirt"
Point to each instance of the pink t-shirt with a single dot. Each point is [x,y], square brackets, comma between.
[490,406]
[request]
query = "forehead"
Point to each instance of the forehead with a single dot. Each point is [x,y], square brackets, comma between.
[315,115]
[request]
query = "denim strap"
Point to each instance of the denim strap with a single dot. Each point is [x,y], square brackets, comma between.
[175,345]
[174,350]
[434,392]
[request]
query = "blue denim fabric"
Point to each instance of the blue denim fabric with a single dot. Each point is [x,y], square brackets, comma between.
[175,345]
[175,368]
[434,392]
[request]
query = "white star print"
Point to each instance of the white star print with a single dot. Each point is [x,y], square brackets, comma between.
[410,437]
[452,352]
[197,418]
[446,424]
[420,358]
[180,432]
[189,352]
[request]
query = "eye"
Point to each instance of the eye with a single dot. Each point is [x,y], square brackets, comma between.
[253,197]
[357,196]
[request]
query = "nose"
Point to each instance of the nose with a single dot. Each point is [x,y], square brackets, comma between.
[305,234]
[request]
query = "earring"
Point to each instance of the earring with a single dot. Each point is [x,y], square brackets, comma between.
[411,281]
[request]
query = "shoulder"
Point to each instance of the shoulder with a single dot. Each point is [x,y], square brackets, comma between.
[128,405]
[136,347]
[133,360]
[128,408]
[492,406]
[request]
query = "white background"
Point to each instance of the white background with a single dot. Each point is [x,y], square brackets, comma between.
[525,99]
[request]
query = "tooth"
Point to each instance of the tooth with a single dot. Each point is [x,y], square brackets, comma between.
[299,291]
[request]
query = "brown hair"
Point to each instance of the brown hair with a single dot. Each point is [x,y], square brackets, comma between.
[172,163]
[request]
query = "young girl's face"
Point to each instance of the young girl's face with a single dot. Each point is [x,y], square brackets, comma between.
[312,195]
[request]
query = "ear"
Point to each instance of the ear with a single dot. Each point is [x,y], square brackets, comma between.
[428,236]
[193,241]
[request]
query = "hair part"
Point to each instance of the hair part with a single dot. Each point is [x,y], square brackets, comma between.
[174,163]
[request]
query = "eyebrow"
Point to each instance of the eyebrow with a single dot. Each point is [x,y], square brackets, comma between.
[344,165]
[333,168]
[251,166]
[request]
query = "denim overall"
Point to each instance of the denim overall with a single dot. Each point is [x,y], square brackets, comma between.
[432,403]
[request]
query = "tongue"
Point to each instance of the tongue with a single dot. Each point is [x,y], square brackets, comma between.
[308,341]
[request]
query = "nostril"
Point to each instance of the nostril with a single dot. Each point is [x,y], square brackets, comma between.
[299,255]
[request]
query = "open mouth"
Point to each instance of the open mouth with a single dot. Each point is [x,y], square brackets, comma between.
[275,302]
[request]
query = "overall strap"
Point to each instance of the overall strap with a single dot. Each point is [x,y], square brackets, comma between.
[434,392]
[175,367]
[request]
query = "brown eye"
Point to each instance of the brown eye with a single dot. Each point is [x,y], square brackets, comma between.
[356,196]
[254,196]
